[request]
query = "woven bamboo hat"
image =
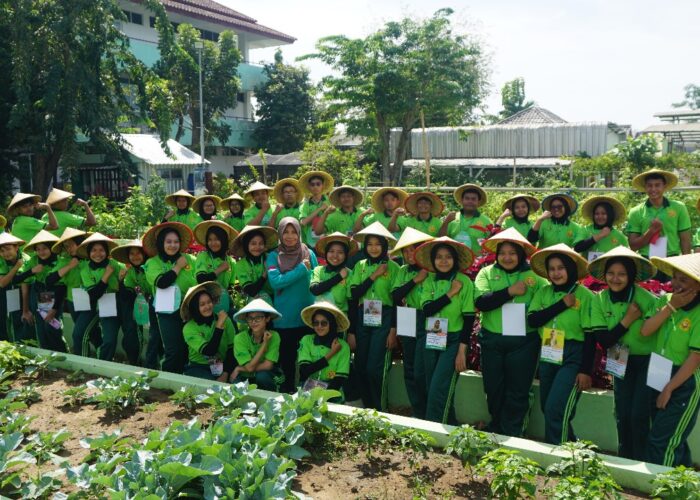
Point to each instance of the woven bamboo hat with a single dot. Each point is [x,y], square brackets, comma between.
[335,195]
[341,319]
[69,233]
[82,250]
[279,186]
[686,264]
[256,186]
[211,287]
[200,231]
[436,208]
[197,203]
[57,195]
[410,237]
[9,239]
[269,233]
[149,239]
[20,198]
[170,199]
[573,204]
[257,305]
[337,237]
[378,197]
[483,197]
[639,181]
[531,200]
[327,178]
[224,205]
[645,269]
[42,236]
[121,253]
[511,235]
[375,229]
[539,259]
[589,206]
[464,254]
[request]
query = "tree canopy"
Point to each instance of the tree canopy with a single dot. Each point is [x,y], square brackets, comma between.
[692,97]
[513,98]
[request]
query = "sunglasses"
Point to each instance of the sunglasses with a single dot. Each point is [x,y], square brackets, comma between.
[323,322]
[557,207]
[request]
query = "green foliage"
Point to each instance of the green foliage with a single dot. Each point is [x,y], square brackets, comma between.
[185,398]
[26,394]
[42,364]
[323,155]
[45,445]
[75,396]
[640,152]
[40,487]
[469,444]
[225,400]
[12,358]
[512,475]
[105,444]
[416,443]
[582,469]
[12,460]
[513,97]
[692,97]
[223,187]
[372,431]
[119,393]
[680,483]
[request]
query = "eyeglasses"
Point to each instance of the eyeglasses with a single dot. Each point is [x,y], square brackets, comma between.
[255,319]
[316,183]
[557,207]
[323,322]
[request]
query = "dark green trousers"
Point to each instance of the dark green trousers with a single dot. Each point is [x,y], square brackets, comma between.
[84,323]
[508,365]
[154,346]
[414,368]
[440,380]
[668,439]
[174,346]
[559,395]
[133,333]
[634,404]
[372,360]
[110,335]
[14,329]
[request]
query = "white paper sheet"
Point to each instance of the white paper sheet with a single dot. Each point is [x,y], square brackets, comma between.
[660,248]
[513,319]
[13,303]
[406,321]
[107,305]
[165,299]
[659,371]
[81,300]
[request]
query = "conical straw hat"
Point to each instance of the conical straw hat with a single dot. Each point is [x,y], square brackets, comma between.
[375,229]
[42,236]
[57,195]
[686,264]
[341,319]
[589,206]
[510,235]
[645,269]
[464,253]
[211,287]
[324,241]
[538,260]
[483,197]
[639,181]
[410,237]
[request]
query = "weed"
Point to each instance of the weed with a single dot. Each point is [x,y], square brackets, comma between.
[679,484]
[512,475]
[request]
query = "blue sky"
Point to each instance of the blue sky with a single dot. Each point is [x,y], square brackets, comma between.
[586,60]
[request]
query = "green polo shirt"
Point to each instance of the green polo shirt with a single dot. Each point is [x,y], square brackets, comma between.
[430,226]
[41,277]
[185,280]
[696,238]
[287,212]
[237,223]
[679,334]
[308,206]
[341,222]
[574,321]
[383,218]
[674,217]
[25,228]
[252,211]
[90,277]
[134,278]
[469,230]
[245,348]
[494,278]
[65,219]
[248,272]
[190,219]
[207,263]
[404,275]
[337,295]
[72,278]
[6,266]
[339,364]
[522,227]
[611,313]
[459,305]
[382,286]
[198,336]
[553,234]
[613,240]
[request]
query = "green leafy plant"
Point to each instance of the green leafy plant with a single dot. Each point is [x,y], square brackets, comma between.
[185,398]
[680,483]
[224,399]
[12,460]
[512,475]
[75,396]
[106,444]
[27,394]
[41,486]
[469,444]
[11,422]
[76,376]
[120,393]
[41,365]
[12,359]
[373,432]
[45,445]
[581,471]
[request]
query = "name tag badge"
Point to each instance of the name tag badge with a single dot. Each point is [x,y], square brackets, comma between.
[436,333]
[616,361]
[312,383]
[13,301]
[216,367]
[81,300]
[107,305]
[406,321]
[372,312]
[552,346]
[463,237]
[513,319]
[660,248]
[594,255]
[659,372]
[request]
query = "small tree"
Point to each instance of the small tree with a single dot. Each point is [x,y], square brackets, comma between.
[692,97]
[513,97]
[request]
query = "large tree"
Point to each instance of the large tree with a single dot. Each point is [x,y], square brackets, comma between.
[385,80]
[285,108]
[513,98]
[692,97]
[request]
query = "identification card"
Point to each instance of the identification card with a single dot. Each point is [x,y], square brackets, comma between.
[45,301]
[372,313]
[594,255]
[464,237]
[13,302]
[166,299]
[312,383]
[81,300]
[616,361]
[552,346]
[513,319]
[107,305]
[216,367]
[406,321]
[436,333]
[659,372]
[659,248]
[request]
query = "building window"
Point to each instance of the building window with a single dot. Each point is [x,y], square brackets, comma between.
[209,35]
[133,17]
[240,97]
[170,173]
[152,21]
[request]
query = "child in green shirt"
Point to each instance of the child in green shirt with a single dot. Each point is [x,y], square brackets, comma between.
[288,195]
[555,226]
[329,282]
[424,209]
[251,247]
[260,211]
[181,201]
[468,226]
[341,214]
[22,210]
[18,325]
[516,213]
[316,185]
[235,204]
[214,263]
[600,236]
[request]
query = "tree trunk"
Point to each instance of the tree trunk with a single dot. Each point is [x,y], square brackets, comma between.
[401,148]
[384,149]
[44,171]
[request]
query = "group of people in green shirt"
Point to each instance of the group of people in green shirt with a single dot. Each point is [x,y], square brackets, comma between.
[332,289]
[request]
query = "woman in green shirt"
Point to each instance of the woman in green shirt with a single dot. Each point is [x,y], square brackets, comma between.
[676,360]
[562,313]
[622,307]
[235,204]
[214,262]
[370,296]
[58,201]
[600,236]
[509,352]
[251,247]
[425,209]
[170,272]
[555,226]
[447,300]
[17,325]
[181,201]
[329,282]
[516,213]
[324,358]
[206,206]
[209,335]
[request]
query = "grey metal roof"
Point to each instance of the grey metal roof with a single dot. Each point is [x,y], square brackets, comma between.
[532,115]
[289,160]
[678,113]
[504,163]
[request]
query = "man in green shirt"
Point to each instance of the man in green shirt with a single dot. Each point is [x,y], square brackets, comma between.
[468,226]
[58,201]
[386,208]
[288,195]
[260,212]
[24,224]
[316,185]
[424,210]
[341,214]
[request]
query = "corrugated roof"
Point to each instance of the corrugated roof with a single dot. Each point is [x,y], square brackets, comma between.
[287,160]
[491,162]
[532,115]
[149,150]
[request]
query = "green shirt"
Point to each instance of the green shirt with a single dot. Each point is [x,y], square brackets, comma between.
[405,275]
[287,212]
[337,295]
[339,364]
[341,222]
[430,226]
[384,220]
[679,334]
[381,288]
[575,321]
[198,336]
[190,219]
[237,223]
[25,228]
[469,230]
[553,234]
[674,216]
[460,304]
[65,219]
[6,266]
[90,277]
[72,278]
[245,348]
[206,263]
[611,313]
[696,238]
[185,280]
[134,278]
[248,273]
[308,206]
[614,239]
[41,277]
[522,227]
[494,278]
[252,211]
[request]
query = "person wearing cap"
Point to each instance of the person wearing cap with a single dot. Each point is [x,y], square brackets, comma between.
[24,224]
[289,196]
[206,206]
[600,236]
[100,276]
[563,309]
[260,211]
[370,295]
[407,288]
[257,347]
[316,185]
[58,201]
[508,356]
[329,282]
[623,307]
[251,247]
[341,214]
[659,221]
[385,208]
[555,226]
[516,213]
[214,263]
[447,295]
[235,204]
[677,324]
[325,357]
[181,201]
[469,225]
[169,267]
[15,326]
[289,274]
[424,209]
[209,335]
